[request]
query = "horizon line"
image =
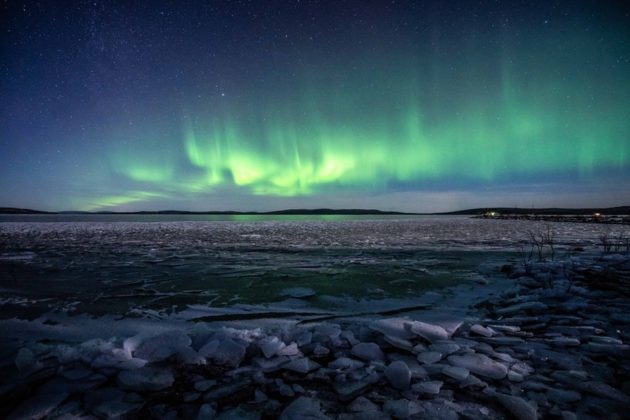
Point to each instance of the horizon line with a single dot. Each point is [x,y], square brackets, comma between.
[321,211]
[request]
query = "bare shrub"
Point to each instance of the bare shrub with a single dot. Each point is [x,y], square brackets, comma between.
[541,239]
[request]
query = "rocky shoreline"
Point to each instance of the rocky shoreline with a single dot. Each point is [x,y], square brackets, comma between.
[551,346]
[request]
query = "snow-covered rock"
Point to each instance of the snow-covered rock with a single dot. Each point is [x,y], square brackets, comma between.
[301,365]
[368,351]
[226,351]
[429,332]
[428,387]
[518,407]
[161,346]
[270,346]
[398,374]
[479,364]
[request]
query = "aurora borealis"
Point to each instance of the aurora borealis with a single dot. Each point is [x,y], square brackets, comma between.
[415,106]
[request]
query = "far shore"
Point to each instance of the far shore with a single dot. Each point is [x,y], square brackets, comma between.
[575,218]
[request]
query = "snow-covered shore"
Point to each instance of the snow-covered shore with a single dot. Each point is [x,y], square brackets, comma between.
[548,339]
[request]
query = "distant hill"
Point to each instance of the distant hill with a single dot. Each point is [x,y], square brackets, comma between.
[622,210]
[275,212]
[13,210]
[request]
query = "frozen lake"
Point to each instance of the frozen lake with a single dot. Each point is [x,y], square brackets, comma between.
[192,312]
[119,265]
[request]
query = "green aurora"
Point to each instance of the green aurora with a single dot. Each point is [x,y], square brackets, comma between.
[356,137]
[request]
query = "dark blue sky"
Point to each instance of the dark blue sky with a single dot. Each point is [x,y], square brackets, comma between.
[417,106]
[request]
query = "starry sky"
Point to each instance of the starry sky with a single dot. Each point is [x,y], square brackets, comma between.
[264,105]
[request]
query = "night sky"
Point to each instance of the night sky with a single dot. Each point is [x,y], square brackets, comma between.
[261,105]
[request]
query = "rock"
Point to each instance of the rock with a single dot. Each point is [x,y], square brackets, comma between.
[25,359]
[131,344]
[303,338]
[393,327]
[483,331]
[363,405]
[298,292]
[348,335]
[344,363]
[301,365]
[162,346]
[444,347]
[507,329]
[416,370]
[224,352]
[479,364]
[118,408]
[204,385]
[456,372]
[320,350]
[472,380]
[605,339]
[327,331]
[402,409]
[398,374]
[368,352]
[38,407]
[428,387]
[190,396]
[400,343]
[514,376]
[434,368]
[419,348]
[615,350]
[534,386]
[241,412]
[270,346]
[284,389]
[504,357]
[505,341]
[123,362]
[303,408]
[228,390]
[351,389]
[63,411]
[206,412]
[564,342]
[518,407]
[187,356]
[427,331]
[442,410]
[604,390]
[429,357]
[568,415]
[85,384]
[145,379]
[563,396]
[290,350]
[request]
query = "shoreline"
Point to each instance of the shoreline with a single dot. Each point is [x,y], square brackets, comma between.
[576,218]
[541,344]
